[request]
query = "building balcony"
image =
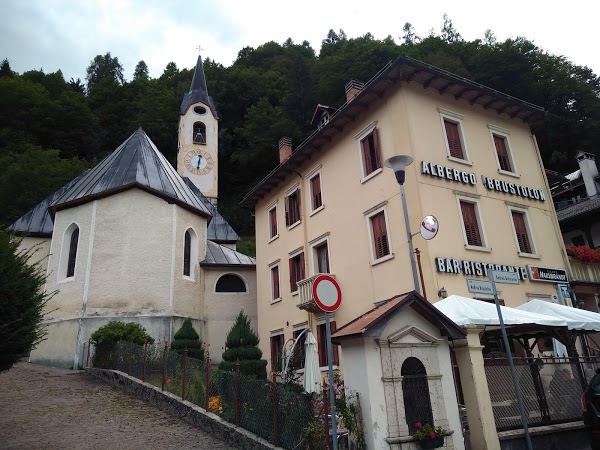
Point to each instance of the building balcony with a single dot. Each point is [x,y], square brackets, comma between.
[586,272]
[305,296]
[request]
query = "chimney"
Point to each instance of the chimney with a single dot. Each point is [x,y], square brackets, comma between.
[285,149]
[353,87]
[589,171]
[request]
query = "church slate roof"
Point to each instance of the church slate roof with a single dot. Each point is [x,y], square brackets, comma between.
[135,163]
[218,255]
[198,91]
[37,222]
[218,229]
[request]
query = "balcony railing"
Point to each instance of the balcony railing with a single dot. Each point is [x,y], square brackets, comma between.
[581,271]
[305,297]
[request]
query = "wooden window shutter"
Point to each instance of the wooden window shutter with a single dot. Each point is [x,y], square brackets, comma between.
[502,151]
[471,225]
[287,211]
[292,275]
[380,238]
[321,340]
[453,137]
[72,252]
[275,277]
[301,268]
[273,220]
[376,150]
[366,151]
[521,232]
[317,199]
[274,352]
[335,348]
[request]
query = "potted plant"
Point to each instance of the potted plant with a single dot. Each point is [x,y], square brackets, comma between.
[428,436]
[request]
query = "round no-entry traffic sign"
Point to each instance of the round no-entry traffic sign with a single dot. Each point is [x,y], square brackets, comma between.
[327,293]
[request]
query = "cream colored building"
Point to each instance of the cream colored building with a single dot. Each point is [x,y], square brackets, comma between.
[134,240]
[331,206]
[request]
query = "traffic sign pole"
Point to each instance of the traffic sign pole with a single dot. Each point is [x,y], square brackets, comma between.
[331,390]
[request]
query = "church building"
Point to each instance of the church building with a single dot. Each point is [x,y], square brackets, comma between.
[135,240]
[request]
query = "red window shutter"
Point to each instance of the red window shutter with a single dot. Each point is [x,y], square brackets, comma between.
[273,352]
[336,348]
[317,199]
[301,267]
[273,221]
[453,137]
[292,275]
[287,211]
[322,345]
[501,150]
[366,150]
[521,232]
[380,238]
[471,225]
[376,150]
[275,277]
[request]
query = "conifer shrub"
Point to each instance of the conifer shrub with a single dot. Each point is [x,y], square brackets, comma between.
[187,338]
[22,301]
[242,344]
[107,337]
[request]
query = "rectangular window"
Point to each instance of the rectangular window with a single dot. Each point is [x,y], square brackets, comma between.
[315,192]
[299,350]
[381,246]
[322,342]
[273,222]
[322,258]
[453,137]
[296,270]
[292,208]
[471,223]
[275,294]
[371,153]
[276,350]
[522,232]
[501,145]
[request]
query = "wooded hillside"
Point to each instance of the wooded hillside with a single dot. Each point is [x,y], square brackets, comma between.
[51,129]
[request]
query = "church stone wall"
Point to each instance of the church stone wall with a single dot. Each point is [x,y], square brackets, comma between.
[223,307]
[40,250]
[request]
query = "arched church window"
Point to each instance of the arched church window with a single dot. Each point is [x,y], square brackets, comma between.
[230,283]
[199,133]
[190,252]
[415,390]
[68,258]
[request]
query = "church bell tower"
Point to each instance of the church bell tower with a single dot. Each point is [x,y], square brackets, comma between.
[198,152]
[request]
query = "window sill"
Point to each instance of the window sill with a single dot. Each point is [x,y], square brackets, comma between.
[294,225]
[67,280]
[510,174]
[326,368]
[320,208]
[460,161]
[478,249]
[272,239]
[382,259]
[529,255]
[371,175]
[275,300]
[188,279]
[294,293]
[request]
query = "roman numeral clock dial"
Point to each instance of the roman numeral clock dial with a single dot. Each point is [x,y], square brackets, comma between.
[198,162]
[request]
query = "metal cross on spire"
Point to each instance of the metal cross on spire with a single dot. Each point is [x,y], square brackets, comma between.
[200,49]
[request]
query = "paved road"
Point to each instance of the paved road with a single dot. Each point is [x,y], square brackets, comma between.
[48,408]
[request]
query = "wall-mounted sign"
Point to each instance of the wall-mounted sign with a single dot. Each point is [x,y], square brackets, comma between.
[476,268]
[429,227]
[513,189]
[448,173]
[548,274]
[480,287]
[505,277]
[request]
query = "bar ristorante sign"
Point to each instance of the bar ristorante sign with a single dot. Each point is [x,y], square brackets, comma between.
[491,184]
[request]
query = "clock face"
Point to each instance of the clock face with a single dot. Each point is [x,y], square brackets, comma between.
[198,162]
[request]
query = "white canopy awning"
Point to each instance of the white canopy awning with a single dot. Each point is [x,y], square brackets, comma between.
[467,311]
[577,319]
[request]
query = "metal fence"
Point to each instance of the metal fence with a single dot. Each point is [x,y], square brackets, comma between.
[273,411]
[551,389]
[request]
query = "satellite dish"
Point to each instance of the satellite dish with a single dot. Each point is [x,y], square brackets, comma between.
[429,227]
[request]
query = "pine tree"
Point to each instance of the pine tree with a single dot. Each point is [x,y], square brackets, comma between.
[242,344]
[187,338]
[22,300]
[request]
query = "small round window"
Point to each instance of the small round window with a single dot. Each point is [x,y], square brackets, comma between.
[200,110]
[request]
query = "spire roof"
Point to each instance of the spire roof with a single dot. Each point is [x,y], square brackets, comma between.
[198,92]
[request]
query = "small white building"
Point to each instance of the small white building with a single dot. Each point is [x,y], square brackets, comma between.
[134,240]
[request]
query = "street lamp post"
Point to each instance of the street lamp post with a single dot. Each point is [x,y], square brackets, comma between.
[398,164]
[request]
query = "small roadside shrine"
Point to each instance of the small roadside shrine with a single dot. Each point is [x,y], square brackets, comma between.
[397,356]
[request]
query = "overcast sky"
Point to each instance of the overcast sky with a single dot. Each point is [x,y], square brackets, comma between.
[68,34]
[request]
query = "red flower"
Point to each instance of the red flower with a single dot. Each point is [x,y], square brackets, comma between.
[432,435]
[168,380]
[418,425]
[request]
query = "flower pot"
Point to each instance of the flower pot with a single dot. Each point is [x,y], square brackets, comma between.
[436,442]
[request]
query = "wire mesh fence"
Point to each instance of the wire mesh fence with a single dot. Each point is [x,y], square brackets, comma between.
[551,389]
[275,412]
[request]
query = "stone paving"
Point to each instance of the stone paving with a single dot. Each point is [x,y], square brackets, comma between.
[48,408]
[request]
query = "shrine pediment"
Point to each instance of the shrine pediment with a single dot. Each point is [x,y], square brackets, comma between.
[411,336]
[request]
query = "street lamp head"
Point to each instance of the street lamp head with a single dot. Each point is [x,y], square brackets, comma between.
[398,164]
[442,293]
